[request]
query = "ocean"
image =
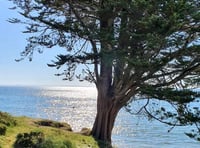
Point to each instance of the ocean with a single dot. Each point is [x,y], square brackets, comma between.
[77,106]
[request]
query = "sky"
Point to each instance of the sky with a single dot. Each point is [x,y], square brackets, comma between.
[12,42]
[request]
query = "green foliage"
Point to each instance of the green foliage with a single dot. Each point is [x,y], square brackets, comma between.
[7,119]
[170,94]
[145,42]
[2,129]
[29,132]
[148,49]
[182,111]
[29,140]
[194,135]
[37,140]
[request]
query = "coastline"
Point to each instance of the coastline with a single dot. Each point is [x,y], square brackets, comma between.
[21,130]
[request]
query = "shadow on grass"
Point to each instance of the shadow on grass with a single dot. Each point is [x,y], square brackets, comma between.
[102,144]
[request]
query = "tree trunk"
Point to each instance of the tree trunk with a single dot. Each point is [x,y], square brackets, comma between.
[107,107]
[107,111]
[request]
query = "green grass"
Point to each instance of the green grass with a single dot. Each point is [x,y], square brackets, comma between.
[43,133]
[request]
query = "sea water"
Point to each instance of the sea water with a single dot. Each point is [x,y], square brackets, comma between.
[77,106]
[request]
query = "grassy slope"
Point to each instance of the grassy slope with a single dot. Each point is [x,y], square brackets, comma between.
[57,135]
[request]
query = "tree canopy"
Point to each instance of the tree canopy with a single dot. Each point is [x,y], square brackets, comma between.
[131,50]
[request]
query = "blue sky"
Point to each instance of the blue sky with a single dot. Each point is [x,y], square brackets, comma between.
[12,42]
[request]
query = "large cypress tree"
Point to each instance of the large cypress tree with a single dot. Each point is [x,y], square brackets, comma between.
[130,49]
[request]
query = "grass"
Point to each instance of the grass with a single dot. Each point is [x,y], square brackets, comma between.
[39,133]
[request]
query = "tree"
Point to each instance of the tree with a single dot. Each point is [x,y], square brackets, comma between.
[130,49]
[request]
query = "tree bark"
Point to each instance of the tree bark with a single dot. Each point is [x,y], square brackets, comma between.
[107,106]
[107,110]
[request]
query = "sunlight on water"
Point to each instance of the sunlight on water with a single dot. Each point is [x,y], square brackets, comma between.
[77,106]
[74,105]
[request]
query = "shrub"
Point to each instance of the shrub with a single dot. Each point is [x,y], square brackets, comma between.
[37,140]
[7,119]
[2,130]
[29,140]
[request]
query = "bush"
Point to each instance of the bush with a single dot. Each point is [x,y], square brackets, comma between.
[37,140]
[29,140]
[7,119]
[2,130]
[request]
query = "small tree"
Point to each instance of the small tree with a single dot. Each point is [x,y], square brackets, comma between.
[130,49]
